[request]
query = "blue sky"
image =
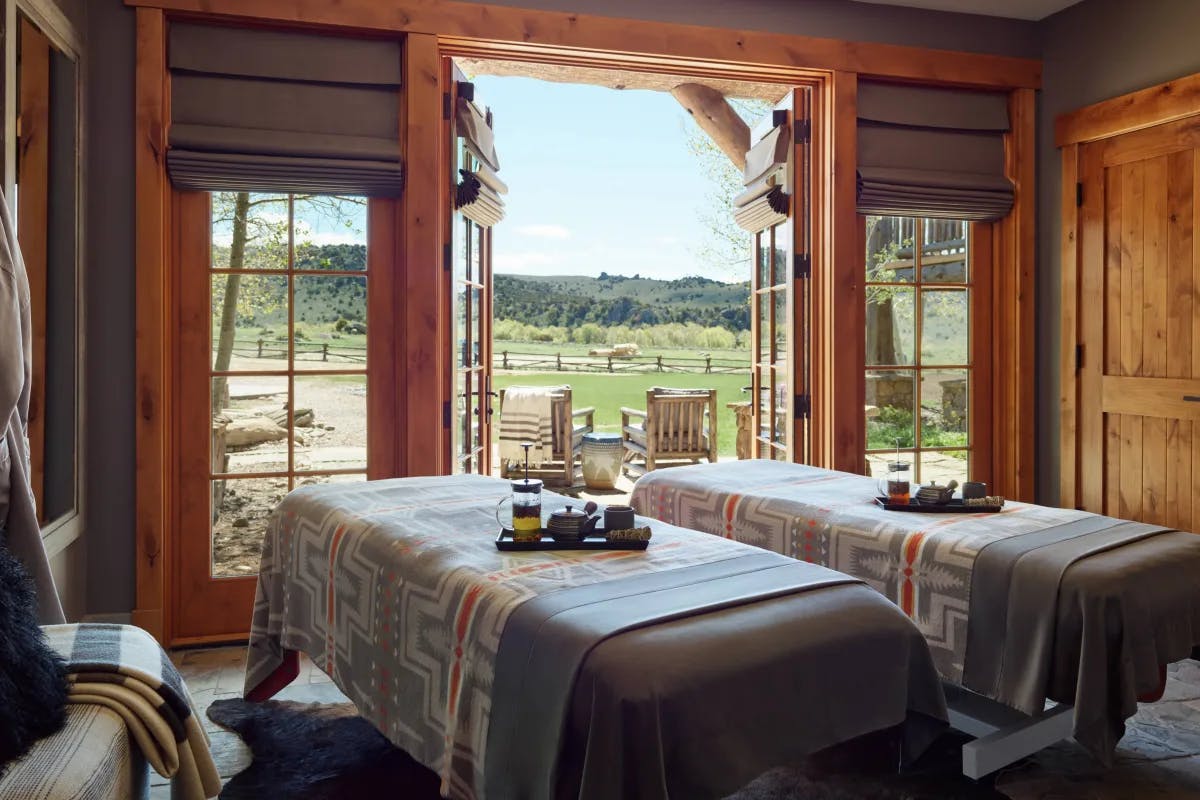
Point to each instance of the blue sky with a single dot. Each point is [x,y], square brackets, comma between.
[629,149]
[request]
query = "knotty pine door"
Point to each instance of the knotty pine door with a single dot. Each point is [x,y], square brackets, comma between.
[1139,327]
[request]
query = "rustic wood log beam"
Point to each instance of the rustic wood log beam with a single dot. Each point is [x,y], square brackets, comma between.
[717,118]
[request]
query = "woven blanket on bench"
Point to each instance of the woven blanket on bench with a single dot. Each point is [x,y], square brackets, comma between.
[123,668]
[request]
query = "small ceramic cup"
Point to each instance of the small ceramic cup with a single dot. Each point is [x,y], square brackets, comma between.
[973,490]
[618,518]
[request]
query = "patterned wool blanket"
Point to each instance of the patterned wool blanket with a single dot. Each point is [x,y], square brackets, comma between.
[124,669]
[396,590]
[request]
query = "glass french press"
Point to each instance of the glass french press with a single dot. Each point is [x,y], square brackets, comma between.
[526,506]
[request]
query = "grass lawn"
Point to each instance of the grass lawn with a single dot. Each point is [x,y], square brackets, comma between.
[607,393]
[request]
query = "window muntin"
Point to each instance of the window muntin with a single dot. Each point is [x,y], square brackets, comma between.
[297,358]
[919,367]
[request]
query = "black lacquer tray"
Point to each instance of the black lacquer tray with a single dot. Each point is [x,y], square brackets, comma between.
[953,507]
[595,541]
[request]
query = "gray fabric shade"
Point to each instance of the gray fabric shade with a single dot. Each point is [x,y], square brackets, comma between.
[475,131]
[273,111]
[768,210]
[764,203]
[932,152]
[770,153]
[478,197]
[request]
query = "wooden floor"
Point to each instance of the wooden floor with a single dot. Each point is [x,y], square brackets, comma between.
[1159,759]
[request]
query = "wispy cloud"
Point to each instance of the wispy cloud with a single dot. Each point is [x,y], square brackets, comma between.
[545,231]
[521,261]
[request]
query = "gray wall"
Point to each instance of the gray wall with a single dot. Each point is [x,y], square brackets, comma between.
[1093,51]
[110,294]
[109,297]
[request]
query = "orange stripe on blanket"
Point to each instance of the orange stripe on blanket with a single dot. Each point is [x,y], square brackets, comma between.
[338,534]
[908,590]
[731,504]
[462,624]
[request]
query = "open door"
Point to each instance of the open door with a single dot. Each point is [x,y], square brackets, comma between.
[774,210]
[476,196]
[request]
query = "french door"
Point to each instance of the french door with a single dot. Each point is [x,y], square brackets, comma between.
[779,296]
[1138,361]
[469,254]
[283,378]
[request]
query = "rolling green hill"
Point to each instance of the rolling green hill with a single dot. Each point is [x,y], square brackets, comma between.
[565,300]
[570,300]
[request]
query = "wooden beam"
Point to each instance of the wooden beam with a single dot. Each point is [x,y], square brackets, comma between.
[543,33]
[424,301]
[1068,360]
[713,114]
[1166,102]
[153,321]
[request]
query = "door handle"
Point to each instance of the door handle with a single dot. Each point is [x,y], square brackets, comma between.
[1191,398]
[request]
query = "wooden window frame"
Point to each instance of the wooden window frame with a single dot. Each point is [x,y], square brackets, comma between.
[982,377]
[420,310]
[61,35]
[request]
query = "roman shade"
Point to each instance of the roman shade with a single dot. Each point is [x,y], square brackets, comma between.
[932,152]
[478,196]
[478,193]
[273,111]
[764,202]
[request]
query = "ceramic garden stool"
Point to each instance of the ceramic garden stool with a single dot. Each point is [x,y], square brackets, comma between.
[601,456]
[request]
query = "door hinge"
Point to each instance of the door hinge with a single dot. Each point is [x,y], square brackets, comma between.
[446,414]
[445,105]
[803,406]
[803,131]
[803,265]
[1078,357]
[447,256]
[1079,195]
[466,90]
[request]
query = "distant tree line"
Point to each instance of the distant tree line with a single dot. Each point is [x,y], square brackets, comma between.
[546,304]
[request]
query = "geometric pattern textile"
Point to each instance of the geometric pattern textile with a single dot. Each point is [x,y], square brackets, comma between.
[921,562]
[396,590]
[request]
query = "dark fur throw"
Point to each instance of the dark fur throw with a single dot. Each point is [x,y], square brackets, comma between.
[317,752]
[33,679]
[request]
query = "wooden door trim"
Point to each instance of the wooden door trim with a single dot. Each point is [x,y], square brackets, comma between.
[155,329]
[1013,298]
[838,427]
[1069,354]
[552,35]
[1155,105]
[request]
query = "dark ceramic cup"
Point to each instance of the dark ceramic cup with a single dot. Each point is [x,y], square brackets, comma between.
[618,518]
[973,490]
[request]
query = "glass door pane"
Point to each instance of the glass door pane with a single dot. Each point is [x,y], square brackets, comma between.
[288,309]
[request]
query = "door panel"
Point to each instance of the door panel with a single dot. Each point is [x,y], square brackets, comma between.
[779,296]
[284,360]
[470,252]
[1139,323]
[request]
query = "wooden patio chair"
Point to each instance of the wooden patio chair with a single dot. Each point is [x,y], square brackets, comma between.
[678,425]
[568,426]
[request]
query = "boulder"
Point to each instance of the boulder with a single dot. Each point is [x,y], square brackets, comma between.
[253,430]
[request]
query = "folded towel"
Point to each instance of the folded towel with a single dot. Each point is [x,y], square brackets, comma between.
[527,416]
[122,668]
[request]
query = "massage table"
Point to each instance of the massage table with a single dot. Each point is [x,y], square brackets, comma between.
[1028,605]
[684,670]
